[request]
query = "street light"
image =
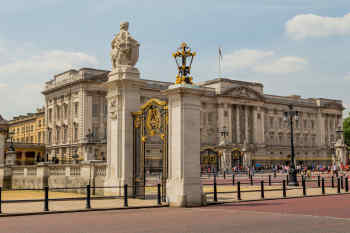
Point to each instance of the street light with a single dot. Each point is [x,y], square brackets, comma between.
[291,115]
[184,58]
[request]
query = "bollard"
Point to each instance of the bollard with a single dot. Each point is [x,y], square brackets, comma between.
[287,179]
[238,190]
[46,201]
[304,187]
[233,179]
[224,175]
[323,190]
[274,174]
[125,195]
[338,185]
[262,189]
[284,189]
[346,184]
[158,195]
[319,181]
[332,181]
[88,197]
[342,182]
[251,180]
[0,198]
[269,180]
[215,191]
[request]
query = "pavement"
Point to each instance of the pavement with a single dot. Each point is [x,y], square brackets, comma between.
[328,214]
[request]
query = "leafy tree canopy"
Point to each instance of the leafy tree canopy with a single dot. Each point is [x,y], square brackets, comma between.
[346,127]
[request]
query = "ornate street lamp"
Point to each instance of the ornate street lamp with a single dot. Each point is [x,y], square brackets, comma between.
[184,58]
[290,116]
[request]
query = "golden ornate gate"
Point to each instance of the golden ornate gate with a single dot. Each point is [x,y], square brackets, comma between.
[150,124]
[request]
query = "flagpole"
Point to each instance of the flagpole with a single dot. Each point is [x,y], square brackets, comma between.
[220,62]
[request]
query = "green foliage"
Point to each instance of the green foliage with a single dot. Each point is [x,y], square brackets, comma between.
[346,127]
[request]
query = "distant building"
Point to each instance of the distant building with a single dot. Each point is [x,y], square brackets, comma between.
[76,115]
[28,135]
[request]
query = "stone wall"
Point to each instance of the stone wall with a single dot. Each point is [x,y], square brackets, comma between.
[54,175]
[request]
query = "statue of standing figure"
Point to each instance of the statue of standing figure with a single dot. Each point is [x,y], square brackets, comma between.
[125,49]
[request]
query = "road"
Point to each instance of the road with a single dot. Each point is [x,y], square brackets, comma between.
[306,215]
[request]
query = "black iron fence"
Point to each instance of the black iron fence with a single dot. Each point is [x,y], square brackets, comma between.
[87,193]
[341,184]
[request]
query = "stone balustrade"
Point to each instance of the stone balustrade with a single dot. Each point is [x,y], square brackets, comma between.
[53,175]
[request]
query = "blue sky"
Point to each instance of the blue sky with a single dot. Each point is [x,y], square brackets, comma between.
[291,46]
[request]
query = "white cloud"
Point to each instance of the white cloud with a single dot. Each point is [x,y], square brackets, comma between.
[260,61]
[283,65]
[3,85]
[347,76]
[309,25]
[49,61]
[244,58]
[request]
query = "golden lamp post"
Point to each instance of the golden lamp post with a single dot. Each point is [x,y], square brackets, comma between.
[184,56]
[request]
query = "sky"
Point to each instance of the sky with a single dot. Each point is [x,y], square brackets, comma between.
[292,46]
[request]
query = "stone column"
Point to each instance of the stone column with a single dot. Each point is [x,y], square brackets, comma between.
[123,98]
[2,147]
[238,129]
[255,126]
[246,112]
[183,184]
[226,160]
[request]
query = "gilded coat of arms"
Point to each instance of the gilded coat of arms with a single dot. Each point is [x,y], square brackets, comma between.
[153,121]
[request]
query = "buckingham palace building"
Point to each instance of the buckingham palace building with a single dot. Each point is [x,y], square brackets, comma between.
[240,125]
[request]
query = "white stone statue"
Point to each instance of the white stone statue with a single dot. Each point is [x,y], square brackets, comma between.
[125,49]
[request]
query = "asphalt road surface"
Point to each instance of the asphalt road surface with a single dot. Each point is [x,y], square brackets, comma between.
[305,215]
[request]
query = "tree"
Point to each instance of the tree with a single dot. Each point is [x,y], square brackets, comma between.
[346,127]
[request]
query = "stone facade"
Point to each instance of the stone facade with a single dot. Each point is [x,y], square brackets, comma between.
[76,115]
[254,121]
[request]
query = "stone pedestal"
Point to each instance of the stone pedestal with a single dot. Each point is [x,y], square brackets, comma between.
[183,184]
[123,98]
[226,158]
[341,154]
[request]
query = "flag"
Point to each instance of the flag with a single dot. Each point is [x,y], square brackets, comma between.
[220,53]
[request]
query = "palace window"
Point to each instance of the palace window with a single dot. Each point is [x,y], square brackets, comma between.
[305,124]
[65,131]
[57,135]
[95,110]
[39,137]
[76,108]
[271,122]
[50,136]
[65,111]
[75,132]
[58,113]
[50,115]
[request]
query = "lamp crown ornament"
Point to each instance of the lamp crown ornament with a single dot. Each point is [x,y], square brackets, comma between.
[184,58]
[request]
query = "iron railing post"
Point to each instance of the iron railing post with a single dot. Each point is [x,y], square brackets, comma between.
[238,190]
[215,191]
[88,197]
[46,201]
[125,195]
[323,189]
[158,195]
